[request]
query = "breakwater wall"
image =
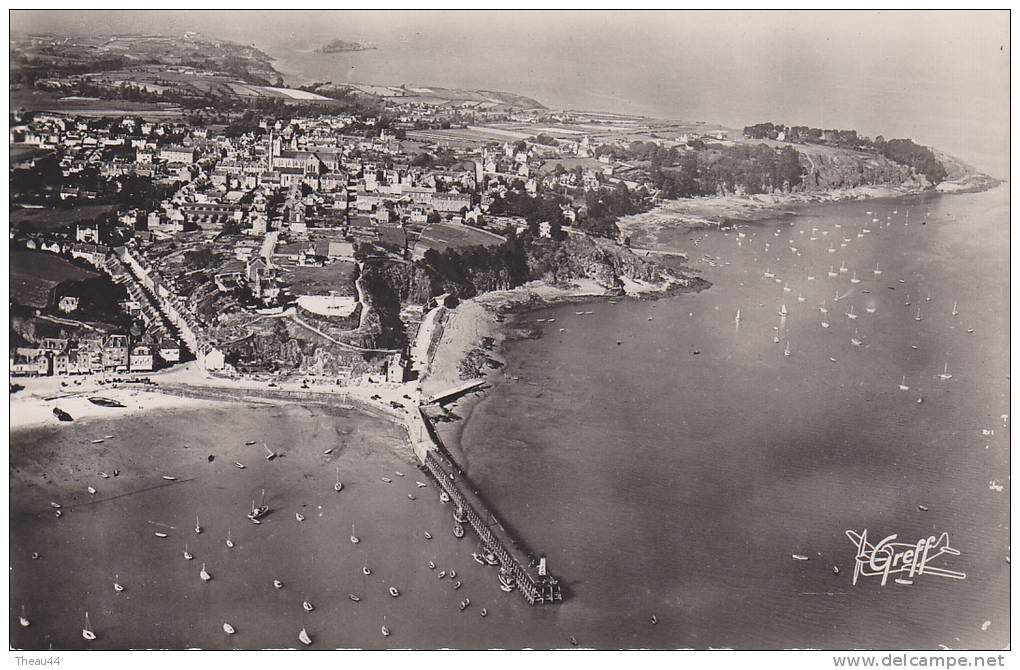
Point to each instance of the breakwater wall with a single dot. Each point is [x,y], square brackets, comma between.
[522,569]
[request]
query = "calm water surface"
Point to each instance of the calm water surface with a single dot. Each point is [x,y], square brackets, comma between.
[670,461]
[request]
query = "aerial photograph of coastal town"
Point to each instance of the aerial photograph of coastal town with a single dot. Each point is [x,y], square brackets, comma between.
[471,330]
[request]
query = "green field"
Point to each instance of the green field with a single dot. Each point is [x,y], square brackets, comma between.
[443,236]
[309,280]
[34,273]
[31,220]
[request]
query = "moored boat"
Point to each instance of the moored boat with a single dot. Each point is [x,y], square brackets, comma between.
[458,531]
[303,636]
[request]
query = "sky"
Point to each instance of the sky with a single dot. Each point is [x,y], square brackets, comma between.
[940,78]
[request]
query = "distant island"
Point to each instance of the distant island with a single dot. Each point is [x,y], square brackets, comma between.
[341,46]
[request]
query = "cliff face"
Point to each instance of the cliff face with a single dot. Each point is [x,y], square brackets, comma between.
[829,168]
[583,257]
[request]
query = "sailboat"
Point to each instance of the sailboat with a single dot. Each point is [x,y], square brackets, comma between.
[187,554]
[945,373]
[737,317]
[800,297]
[23,620]
[877,270]
[787,289]
[855,340]
[338,486]
[903,384]
[918,317]
[782,310]
[823,309]
[117,586]
[303,636]
[269,452]
[928,297]
[354,538]
[198,527]
[385,631]
[907,302]
[825,324]
[843,268]
[832,273]
[787,352]
[230,543]
[86,632]
[850,314]
[854,279]
[954,309]
[307,605]
[204,574]
[228,629]
[257,513]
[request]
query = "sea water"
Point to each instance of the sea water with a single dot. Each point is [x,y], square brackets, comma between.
[669,459]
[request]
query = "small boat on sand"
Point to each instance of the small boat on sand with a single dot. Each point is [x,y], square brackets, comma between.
[249,443]
[398,473]
[105,402]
